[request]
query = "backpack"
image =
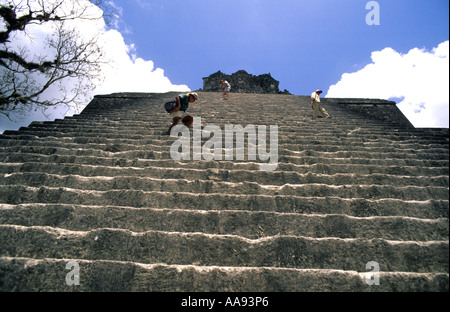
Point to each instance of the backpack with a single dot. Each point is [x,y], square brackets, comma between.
[170,106]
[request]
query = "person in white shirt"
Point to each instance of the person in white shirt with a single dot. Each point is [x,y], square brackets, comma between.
[315,104]
[226,87]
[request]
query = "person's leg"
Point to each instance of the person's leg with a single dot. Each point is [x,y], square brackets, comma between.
[324,112]
[175,122]
[315,107]
[176,117]
[188,121]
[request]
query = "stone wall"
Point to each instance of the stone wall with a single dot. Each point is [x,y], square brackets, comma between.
[374,108]
[242,82]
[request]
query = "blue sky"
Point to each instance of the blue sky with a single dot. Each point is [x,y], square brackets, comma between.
[304,44]
[165,45]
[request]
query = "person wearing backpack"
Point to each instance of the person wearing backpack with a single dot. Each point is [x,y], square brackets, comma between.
[177,108]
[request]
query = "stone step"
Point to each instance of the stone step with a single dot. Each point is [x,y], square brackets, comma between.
[111,137]
[248,224]
[178,248]
[147,142]
[234,174]
[363,162]
[132,152]
[162,147]
[286,163]
[29,274]
[314,157]
[358,207]
[226,175]
[284,137]
[231,113]
[297,130]
[335,124]
[100,183]
[212,114]
[285,142]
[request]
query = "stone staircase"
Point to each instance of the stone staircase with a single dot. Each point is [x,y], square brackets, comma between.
[360,191]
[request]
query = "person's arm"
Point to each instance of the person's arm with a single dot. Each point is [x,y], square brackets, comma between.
[176,109]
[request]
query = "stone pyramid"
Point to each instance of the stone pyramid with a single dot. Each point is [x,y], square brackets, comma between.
[94,202]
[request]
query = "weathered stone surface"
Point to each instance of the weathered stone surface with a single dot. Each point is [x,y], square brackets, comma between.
[375,108]
[100,189]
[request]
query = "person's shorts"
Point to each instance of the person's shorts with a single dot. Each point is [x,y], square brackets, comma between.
[179,113]
[227,89]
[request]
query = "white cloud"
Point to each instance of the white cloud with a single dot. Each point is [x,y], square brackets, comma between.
[125,72]
[419,78]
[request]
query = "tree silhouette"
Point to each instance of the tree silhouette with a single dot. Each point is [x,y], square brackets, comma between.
[25,75]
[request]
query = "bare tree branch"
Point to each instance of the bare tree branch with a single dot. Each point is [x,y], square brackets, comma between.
[24,78]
